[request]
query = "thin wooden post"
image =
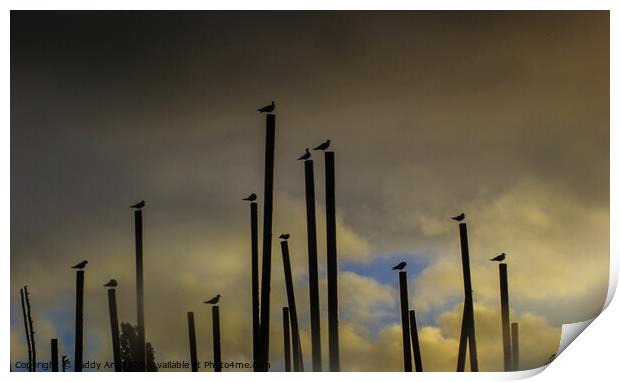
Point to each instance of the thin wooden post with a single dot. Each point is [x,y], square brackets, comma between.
[332,262]
[313,273]
[65,362]
[415,342]
[116,347]
[290,293]
[54,352]
[192,341]
[79,321]
[31,328]
[27,329]
[469,305]
[505,308]
[287,339]
[217,349]
[141,344]
[515,346]
[255,298]
[267,221]
[404,316]
[460,363]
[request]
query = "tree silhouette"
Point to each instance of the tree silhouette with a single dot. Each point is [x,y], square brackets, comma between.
[130,349]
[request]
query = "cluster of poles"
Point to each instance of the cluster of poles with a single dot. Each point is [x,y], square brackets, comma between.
[261,288]
[261,296]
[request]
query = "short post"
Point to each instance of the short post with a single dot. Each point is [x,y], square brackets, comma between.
[415,342]
[332,262]
[505,308]
[116,347]
[404,315]
[65,362]
[515,346]
[287,339]
[469,304]
[217,349]
[141,342]
[192,341]
[31,328]
[79,321]
[313,273]
[54,348]
[255,297]
[26,327]
[290,293]
[270,120]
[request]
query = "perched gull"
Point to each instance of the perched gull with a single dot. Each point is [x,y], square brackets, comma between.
[214,300]
[250,198]
[268,108]
[138,205]
[80,265]
[460,217]
[323,146]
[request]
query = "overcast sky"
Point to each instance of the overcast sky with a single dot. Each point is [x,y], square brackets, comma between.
[502,115]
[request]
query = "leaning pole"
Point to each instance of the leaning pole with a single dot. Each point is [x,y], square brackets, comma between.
[468,331]
[270,120]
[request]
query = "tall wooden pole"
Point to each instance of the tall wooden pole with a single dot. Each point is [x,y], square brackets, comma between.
[290,293]
[469,305]
[27,329]
[287,339]
[116,346]
[54,352]
[141,344]
[505,308]
[192,341]
[404,316]
[217,348]
[415,342]
[515,346]
[460,363]
[267,220]
[332,262]
[255,298]
[79,321]
[313,273]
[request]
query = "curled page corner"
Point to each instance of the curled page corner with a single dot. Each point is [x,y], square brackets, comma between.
[570,332]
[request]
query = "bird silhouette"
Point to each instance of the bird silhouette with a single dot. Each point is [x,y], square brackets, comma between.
[268,108]
[80,265]
[400,266]
[323,146]
[112,283]
[251,198]
[214,300]
[284,236]
[139,205]
[499,258]
[460,217]
[306,155]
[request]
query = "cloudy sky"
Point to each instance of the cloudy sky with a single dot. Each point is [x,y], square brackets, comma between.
[502,115]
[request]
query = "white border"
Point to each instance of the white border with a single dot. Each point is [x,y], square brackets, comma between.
[593,355]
